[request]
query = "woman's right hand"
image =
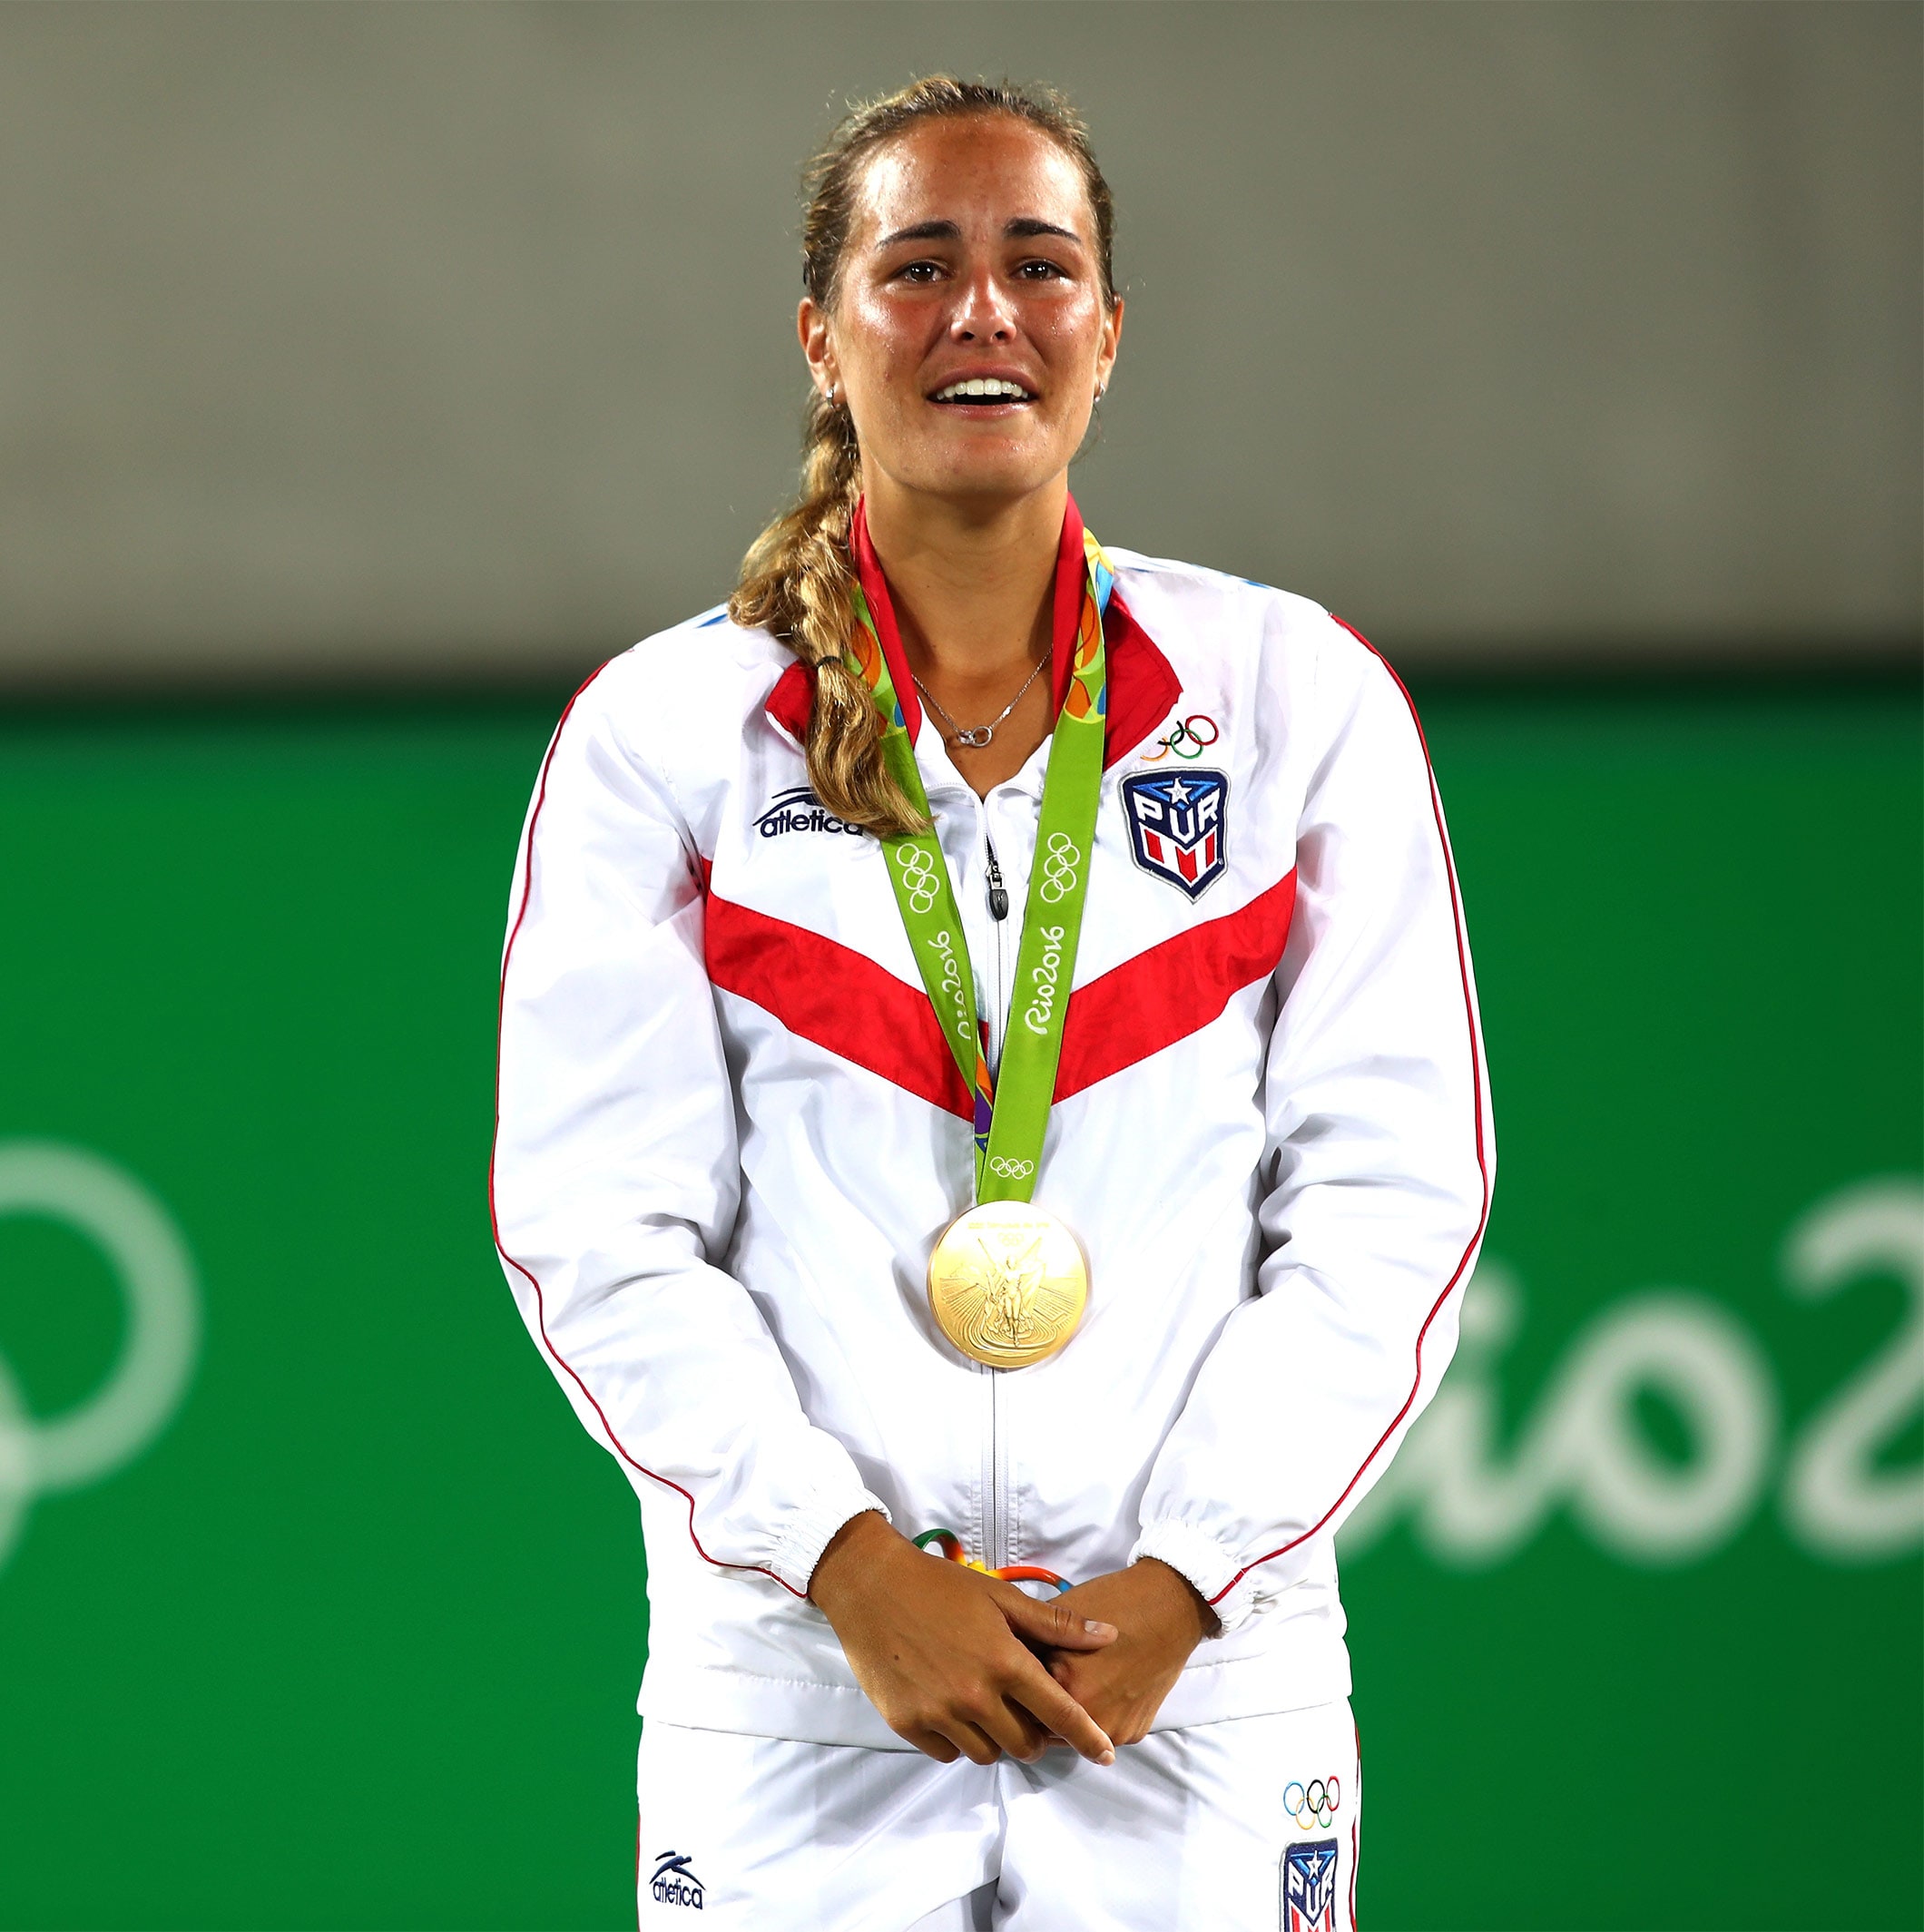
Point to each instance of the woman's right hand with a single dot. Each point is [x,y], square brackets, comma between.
[943,1651]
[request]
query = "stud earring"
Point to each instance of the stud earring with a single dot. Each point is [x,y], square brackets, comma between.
[1101,389]
[831,396]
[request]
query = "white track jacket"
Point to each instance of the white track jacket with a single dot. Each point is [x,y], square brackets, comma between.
[730,1132]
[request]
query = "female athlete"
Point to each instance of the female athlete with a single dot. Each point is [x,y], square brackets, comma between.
[992,1126]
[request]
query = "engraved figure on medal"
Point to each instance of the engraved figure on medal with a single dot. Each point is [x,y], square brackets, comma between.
[997,1304]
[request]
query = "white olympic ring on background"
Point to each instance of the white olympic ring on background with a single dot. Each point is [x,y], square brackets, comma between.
[919,876]
[155,1274]
[1011,1169]
[1058,866]
[1316,1803]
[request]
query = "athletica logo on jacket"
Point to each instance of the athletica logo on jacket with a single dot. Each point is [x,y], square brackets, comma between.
[797,809]
[1179,826]
[673,1883]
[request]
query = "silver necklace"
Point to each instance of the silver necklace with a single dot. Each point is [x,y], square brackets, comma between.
[980,734]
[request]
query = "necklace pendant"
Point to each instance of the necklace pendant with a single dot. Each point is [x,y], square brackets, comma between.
[976,738]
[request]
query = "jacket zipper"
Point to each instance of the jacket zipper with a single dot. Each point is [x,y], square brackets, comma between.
[995,1514]
[998,911]
[998,898]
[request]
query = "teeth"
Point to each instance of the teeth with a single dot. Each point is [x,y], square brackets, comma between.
[983,386]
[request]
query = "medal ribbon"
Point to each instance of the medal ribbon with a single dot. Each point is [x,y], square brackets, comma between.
[1009,1128]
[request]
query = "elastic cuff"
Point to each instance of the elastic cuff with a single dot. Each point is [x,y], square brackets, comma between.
[1206,1563]
[807,1533]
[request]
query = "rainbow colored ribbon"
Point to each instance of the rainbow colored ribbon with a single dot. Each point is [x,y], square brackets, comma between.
[1015,1573]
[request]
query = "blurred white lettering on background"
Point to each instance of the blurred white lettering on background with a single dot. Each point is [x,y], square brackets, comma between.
[1583,1447]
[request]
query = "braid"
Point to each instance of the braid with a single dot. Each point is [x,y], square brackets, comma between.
[797,578]
[795,583]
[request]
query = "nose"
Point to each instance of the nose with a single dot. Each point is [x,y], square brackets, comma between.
[983,312]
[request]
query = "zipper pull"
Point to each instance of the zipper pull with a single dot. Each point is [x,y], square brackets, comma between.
[998,898]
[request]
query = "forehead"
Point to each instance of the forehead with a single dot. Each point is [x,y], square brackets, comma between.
[981,170]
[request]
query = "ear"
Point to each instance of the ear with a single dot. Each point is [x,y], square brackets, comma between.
[811,326]
[1110,341]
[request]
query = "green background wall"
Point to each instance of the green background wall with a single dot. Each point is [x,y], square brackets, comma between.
[351,1637]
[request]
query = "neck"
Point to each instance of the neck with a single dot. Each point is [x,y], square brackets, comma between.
[973,587]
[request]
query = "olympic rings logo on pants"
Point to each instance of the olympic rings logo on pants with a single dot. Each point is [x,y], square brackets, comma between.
[918,875]
[1060,859]
[1313,1804]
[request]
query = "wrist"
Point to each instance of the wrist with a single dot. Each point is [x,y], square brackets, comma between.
[848,1558]
[1187,1602]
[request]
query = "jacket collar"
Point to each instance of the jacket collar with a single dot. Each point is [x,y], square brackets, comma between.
[1143,682]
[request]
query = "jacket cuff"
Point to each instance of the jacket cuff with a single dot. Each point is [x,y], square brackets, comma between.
[807,1536]
[1207,1565]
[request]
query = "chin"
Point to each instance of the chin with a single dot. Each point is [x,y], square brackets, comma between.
[998,474]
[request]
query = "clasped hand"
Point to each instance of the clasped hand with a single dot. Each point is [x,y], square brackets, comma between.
[963,1664]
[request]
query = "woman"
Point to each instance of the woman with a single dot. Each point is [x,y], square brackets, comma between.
[989,1055]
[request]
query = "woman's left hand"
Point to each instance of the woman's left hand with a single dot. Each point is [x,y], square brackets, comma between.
[1160,1619]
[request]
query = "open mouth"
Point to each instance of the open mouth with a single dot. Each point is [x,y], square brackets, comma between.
[981,389]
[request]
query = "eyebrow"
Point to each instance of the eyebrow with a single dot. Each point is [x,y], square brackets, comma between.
[1021,228]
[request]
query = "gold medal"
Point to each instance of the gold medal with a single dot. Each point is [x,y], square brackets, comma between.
[1007,1283]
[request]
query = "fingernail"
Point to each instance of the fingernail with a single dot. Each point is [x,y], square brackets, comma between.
[1108,1757]
[1098,1629]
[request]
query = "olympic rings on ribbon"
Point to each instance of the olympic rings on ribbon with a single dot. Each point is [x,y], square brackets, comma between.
[1316,1803]
[919,876]
[1188,731]
[1009,1170]
[1058,866]
[951,1548]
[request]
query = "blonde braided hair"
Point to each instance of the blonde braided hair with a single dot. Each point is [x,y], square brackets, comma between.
[798,575]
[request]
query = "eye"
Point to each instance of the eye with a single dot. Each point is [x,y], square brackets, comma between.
[1041,269]
[920,271]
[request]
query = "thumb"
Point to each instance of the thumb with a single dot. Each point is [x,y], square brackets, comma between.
[1053,1625]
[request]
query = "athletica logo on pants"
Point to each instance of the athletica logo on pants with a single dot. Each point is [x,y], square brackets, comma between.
[673,1883]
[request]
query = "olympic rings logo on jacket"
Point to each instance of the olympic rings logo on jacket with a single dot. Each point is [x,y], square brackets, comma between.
[1189,731]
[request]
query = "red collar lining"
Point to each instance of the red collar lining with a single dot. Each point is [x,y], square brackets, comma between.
[1142,683]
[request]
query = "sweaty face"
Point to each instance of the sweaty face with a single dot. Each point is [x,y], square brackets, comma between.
[968,332]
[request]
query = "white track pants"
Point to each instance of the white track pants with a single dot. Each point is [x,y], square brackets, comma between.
[1232,1826]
